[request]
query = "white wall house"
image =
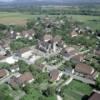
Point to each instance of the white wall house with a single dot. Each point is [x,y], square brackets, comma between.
[9,60]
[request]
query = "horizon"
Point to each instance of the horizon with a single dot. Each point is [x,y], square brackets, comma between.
[53,0]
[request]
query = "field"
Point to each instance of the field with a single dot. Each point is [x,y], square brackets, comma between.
[21,19]
[14,18]
[92,21]
[76,90]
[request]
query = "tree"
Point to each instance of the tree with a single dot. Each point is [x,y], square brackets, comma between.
[16,45]
[24,67]
[98,82]
[30,24]
[50,91]
[3,27]
[31,93]
[4,92]
[5,65]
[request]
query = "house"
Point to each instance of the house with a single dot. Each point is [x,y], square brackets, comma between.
[50,44]
[18,35]
[73,34]
[22,80]
[6,56]
[97,52]
[2,51]
[86,71]
[5,44]
[57,43]
[25,78]
[14,68]
[55,75]
[94,96]
[28,34]
[69,52]
[78,58]
[12,82]
[41,67]
[57,39]
[47,38]
[8,59]
[45,44]
[12,34]
[3,73]
[23,52]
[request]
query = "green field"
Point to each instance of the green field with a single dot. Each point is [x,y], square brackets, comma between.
[92,21]
[14,18]
[76,90]
[21,19]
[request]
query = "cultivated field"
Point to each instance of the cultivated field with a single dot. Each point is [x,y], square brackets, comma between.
[14,18]
[21,19]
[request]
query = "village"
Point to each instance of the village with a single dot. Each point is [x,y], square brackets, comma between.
[29,57]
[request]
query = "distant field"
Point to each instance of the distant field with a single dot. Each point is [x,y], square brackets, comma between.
[92,21]
[14,18]
[21,19]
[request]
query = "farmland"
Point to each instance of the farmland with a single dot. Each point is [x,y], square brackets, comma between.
[14,18]
[21,19]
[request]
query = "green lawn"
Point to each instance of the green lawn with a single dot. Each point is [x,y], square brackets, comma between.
[76,90]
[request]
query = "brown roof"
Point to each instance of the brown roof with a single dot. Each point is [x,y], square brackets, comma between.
[12,81]
[78,58]
[69,49]
[84,68]
[97,52]
[73,33]
[24,49]
[47,37]
[54,74]
[2,57]
[24,32]
[57,38]
[40,66]
[29,32]
[24,78]
[2,73]
[95,96]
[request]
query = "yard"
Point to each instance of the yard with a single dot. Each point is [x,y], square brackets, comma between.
[76,90]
